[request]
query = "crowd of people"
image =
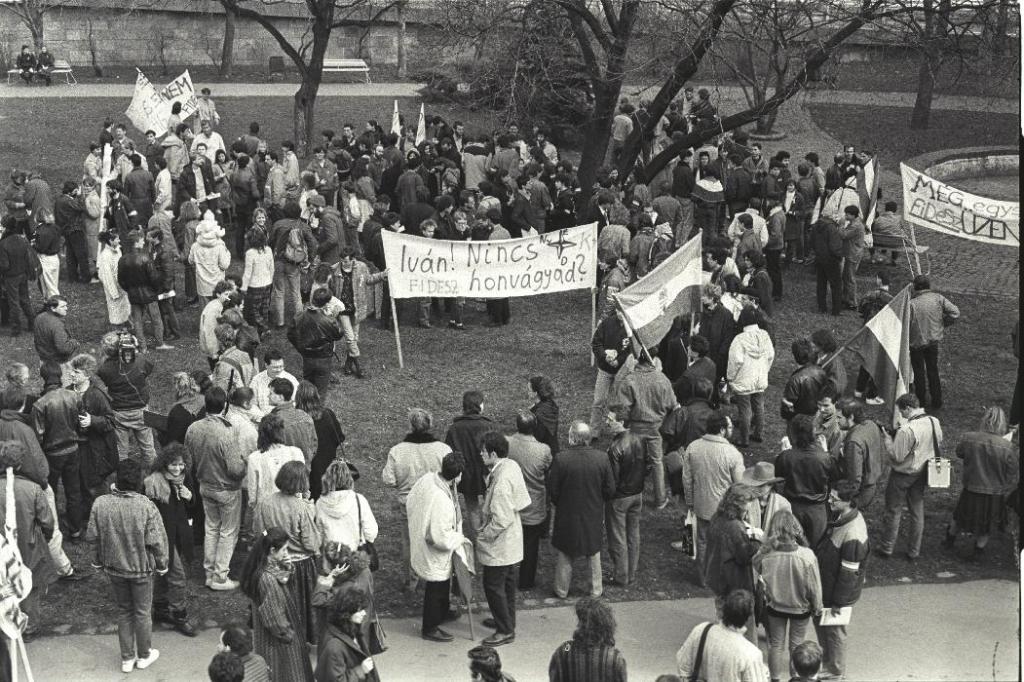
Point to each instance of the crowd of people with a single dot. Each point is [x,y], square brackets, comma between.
[251,460]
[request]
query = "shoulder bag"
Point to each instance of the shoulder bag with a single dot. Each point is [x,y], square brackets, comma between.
[695,673]
[938,467]
[365,546]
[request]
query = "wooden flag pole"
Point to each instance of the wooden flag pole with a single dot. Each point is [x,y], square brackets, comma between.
[593,320]
[398,336]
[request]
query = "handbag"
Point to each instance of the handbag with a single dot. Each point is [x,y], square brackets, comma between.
[377,641]
[695,673]
[365,546]
[939,468]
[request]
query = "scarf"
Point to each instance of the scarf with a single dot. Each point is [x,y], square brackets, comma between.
[281,571]
[158,485]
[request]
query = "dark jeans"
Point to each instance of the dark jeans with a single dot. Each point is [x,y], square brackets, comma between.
[78,256]
[813,519]
[134,599]
[169,317]
[531,550]
[773,260]
[830,276]
[925,362]
[904,489]
[317,371]
[500,590]
[243,220]
[499,310]
[436,603]
[65,468]
[18,302]
[866,385]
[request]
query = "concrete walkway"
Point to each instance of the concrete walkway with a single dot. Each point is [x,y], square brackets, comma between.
[957,631]
[723,93]
[219,90]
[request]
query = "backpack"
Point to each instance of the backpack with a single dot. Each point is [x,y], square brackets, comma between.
[295,249]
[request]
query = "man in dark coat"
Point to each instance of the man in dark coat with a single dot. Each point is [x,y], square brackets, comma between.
[580,482]
[18,264]
[701,367]
[313,334]
[718,326]
[69,217]
[465,437]
[140,279]
[800,395]
[828,263]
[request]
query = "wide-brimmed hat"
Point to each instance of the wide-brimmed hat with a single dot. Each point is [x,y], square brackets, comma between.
[762,473]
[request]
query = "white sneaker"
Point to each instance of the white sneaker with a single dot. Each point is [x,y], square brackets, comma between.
[858,394]
[144,663]
[875,401]
[222,586]
[128,666]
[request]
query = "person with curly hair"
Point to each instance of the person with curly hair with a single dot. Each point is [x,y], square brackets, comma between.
[590,656]
[485,665]
[546,411]
[343,656]
[731,546]
[277,623]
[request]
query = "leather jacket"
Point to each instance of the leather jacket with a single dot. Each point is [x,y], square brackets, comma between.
[802,389]
[630,465]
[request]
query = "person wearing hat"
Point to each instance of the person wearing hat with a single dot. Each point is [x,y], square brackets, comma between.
[761,479]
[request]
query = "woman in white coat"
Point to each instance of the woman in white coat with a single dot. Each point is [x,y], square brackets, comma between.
[435,534]
[118,307]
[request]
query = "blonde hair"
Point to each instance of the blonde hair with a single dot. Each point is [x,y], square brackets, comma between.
[993,421]
[337,477]
[784,529]
[184,385]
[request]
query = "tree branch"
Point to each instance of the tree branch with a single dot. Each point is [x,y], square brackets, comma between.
[576,8]
[266,23]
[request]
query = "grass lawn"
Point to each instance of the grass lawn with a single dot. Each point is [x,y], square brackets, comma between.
[886,130]
[548,335]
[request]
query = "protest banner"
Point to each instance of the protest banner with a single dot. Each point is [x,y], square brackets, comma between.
[150,109]
[937,206]
[508,268]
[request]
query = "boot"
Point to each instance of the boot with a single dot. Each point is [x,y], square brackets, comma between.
[357,370]
[179,619]
[347,369]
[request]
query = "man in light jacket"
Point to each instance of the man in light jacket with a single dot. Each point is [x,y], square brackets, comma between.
[500,539]
[435,533]
[930,314]
[534,460]
[751,355]
[852,232]
[916,441]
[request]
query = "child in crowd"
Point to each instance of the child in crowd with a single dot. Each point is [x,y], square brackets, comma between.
[237,640]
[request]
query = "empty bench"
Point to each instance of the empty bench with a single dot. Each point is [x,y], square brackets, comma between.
[347,66]
[61,67]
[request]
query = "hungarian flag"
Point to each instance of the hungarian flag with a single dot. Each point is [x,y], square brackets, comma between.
[650,304]
[883,346]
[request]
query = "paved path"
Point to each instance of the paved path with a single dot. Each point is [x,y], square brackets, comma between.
[725,92]
[220,90]
[962,631]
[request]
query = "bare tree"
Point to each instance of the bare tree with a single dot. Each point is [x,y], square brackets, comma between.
[227,53]
[31,13]
[307,53]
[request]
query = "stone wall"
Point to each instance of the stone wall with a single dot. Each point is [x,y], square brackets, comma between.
[144,37]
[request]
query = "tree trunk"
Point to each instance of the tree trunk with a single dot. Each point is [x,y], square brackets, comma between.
[1002,24]
[35,26]
[402,67]
[227,54]
[598,135]
[925,90]
[304,112]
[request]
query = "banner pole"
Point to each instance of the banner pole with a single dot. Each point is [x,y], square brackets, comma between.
[913,244]
[593,319]
[398,336]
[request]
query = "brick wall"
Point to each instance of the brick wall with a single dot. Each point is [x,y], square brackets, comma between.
[138,38]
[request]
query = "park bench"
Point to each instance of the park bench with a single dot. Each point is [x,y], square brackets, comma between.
[890,243]
[61,67]
[347,66]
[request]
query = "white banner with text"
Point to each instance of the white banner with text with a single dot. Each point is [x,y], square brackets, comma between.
[545,264]
[937,206]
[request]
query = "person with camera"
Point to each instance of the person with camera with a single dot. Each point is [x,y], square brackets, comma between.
[125,373]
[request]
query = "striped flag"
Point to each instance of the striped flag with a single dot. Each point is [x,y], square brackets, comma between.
[396,123]
[650,304]
[421,127]
[883,346]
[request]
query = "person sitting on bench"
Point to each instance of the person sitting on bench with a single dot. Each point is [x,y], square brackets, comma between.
[44,65]
[27,63]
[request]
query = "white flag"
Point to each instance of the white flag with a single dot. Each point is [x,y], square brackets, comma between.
[396,124]
[421,129]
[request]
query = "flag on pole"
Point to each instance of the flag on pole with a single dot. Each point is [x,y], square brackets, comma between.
[421,127]
[860,191]
[883,346]
[650,304]
[396,123]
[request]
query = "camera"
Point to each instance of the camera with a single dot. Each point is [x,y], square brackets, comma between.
[127,347]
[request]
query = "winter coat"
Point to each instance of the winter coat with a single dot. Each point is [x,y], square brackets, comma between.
[827,241]
[710,465]
[216,457]
[435,524]
[410,460]
[126,384]
[128,534]
[546,432]
[475,161]
[17,258]
[55,418]
[212,260]
[718,327]
[175,154]
[792,581]
[842,553]
[52,340]
[174,512]
[800,395]
[499,541]
[35,527]
[313,334]
[138,276]
[34,466]
[579,483]
[338,518]
[340,657]
[69,214]
[750,359]
[610,335]
[930,314]
[97,451]
[464,437]
[728,559]
[644,399]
